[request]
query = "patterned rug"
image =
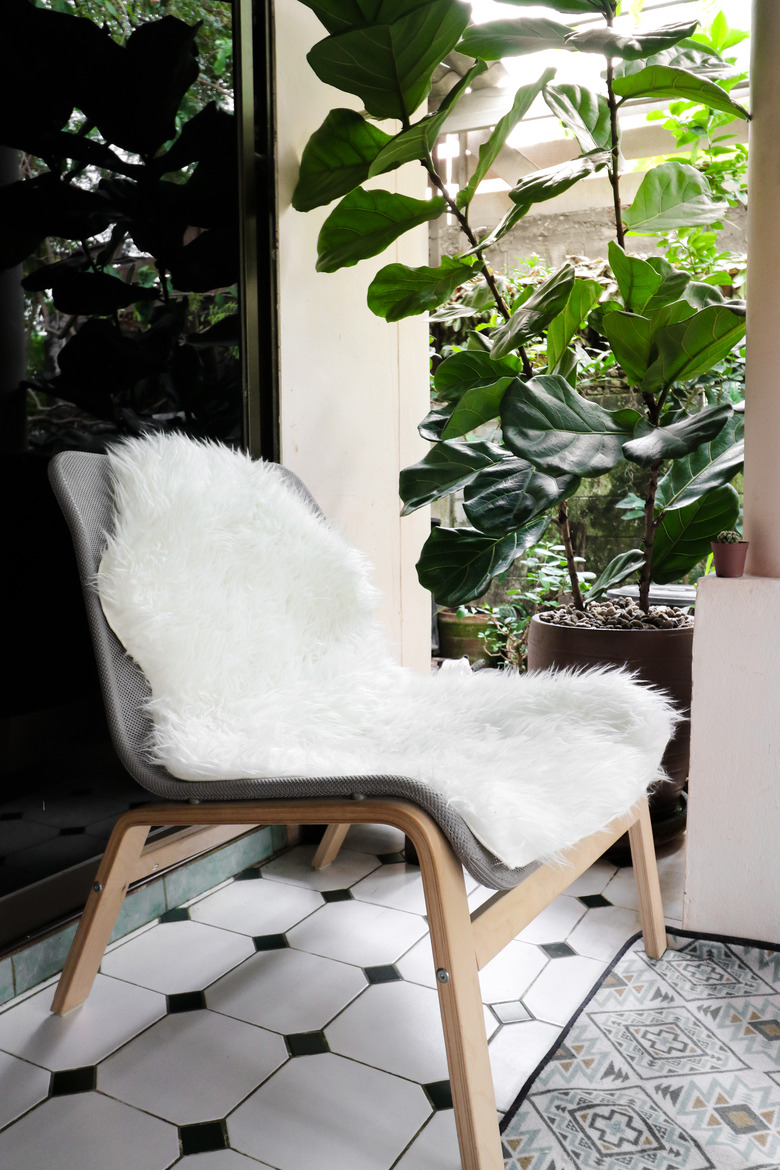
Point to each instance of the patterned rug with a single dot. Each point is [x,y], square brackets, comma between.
[672,1063]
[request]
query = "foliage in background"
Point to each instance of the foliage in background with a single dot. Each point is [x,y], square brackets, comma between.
[126,215]
[665,330]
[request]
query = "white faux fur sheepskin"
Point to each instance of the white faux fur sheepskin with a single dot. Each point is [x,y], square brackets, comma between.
[252,620]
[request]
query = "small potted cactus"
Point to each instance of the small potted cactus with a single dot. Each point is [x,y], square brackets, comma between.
[729,551]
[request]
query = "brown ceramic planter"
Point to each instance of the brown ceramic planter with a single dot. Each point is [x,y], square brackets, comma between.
[729,558]
[459,636]
[660,657]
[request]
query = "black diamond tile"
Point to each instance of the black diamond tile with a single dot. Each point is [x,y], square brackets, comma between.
[247,875]
[270,942]
[559,950]
[593,900]
[186,1001]
[439,1094]
[180,914]
[337,895]
[202,1137]
[72,1080]
[306,1043]
[386,973]
[390,858]
[72,831]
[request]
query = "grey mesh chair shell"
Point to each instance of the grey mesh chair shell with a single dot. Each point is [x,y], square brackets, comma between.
[462,943]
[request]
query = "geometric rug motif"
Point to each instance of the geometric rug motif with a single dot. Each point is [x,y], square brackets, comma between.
[670,1064]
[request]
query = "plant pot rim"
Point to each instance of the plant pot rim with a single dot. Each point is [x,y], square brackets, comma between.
[586,629]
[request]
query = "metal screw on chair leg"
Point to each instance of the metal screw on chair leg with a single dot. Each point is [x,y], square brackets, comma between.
[442,975]
[98,887]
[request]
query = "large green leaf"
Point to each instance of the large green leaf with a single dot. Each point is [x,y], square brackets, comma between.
[336,159]
[689,348]
[433,425]
[477,406]
[683,536]
[389,66]
[546,184]
[672,195]
[685,55]
[679,438]
[636,279]
[445,467]
[535,313]
[663,81]
[630,338]
[583,296]
[364,223]
[618,569]
[614,44]
[583,112]
[470,369]
[489,151]
[342,15]
[709,467]
[504,497]
[512,38]
[416,143]
[547,422]
[458,564]
[398,291]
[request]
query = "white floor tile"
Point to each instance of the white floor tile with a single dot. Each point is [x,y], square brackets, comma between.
[218,1160]
[622,891]
[112,1015]
[192,1066]
[330,1113]
[88,1132]
[398,886]
[286,990]
[377,839]
[295,866]
[510,974]
[561,987]
[22,1085]
[396,1027]
[436,1148]
[602,932]
[178,956]
[256,907]
[555,922]
[515,1053]
[417,964]
[358,932]
[593,880]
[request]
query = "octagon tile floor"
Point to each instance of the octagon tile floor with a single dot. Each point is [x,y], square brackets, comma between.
[289,1018]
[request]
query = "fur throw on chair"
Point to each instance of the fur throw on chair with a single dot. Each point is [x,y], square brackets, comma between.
[253,622]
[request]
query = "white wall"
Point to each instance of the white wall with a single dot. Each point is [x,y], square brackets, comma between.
[352,387]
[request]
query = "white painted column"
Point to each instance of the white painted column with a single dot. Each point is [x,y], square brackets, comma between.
[733,848]
[352,387]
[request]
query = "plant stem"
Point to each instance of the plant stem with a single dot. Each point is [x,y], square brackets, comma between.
[562,521]
[490,280]
[614,169]
[650,526]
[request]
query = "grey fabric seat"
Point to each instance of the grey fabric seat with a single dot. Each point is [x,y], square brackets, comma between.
[461,943]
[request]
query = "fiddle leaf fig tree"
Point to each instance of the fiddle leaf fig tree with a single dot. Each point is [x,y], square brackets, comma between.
[665,329]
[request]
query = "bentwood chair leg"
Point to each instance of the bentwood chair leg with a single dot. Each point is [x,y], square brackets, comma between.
[460,1003]
[100,914]
[651,910]
[328,848]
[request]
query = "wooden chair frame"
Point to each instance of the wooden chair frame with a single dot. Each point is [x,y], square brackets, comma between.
[462,942]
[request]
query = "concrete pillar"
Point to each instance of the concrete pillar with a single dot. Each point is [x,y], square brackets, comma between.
[733,851]
[352,388]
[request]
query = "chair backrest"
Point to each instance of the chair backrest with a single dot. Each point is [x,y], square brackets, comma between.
[81,483]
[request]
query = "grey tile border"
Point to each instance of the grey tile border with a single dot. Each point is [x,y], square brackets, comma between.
[45,957]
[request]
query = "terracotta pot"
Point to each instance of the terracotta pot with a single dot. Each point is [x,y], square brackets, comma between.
[729,558]
[459,636]
[660,657]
